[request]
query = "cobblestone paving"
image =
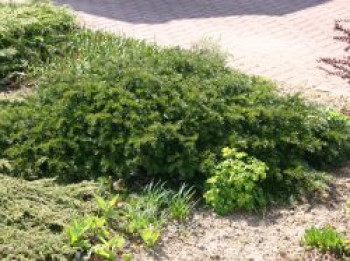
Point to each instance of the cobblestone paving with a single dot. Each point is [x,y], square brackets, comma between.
[280,39]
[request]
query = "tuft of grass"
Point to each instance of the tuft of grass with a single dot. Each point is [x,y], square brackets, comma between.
[33,215]
[156,195]
[146,209]
[326,239]
[182,203]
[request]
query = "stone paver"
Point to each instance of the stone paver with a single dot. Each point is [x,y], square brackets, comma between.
[280,39]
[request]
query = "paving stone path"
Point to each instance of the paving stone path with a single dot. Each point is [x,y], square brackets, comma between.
[281,39]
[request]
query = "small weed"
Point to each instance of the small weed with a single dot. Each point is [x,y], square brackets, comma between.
[136,223]
[155,195]
[76,232]
[84,231]
[146,209]
[182,204]
[93,234]
[150,236]
[326,239]
[109,249]
[107,207]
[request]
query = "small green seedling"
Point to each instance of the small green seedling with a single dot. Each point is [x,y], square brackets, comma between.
[150,236]
[77,232]
[326,239]
[109,249]
[107,207]
[81,230]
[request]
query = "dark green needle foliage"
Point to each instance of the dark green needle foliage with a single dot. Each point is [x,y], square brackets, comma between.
[120,107]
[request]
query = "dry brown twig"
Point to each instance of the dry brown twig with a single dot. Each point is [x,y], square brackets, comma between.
[340,66]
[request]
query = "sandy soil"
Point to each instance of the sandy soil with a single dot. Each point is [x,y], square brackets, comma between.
[340,101]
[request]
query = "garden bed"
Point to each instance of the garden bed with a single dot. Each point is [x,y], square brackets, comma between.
[143,121]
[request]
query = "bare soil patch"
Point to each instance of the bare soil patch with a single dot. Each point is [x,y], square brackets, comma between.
[339,101]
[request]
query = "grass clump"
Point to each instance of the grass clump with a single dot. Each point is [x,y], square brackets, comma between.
[182,204]
[30,36]
[327,239]
[33,217]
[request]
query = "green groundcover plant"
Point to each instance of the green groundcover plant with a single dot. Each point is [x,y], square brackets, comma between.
[42,220]
[34,214]
[236,183]
[326,239]
[121,107]
[30,35]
